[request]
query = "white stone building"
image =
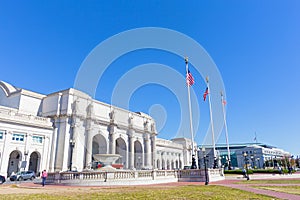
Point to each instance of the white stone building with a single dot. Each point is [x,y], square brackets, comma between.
[62,131]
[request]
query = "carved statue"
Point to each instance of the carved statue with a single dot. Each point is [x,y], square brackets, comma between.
[146,124]
[153,128]
[130,119]
[112,115]
[90,109]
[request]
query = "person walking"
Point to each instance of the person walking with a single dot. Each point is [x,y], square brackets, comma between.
[44,177]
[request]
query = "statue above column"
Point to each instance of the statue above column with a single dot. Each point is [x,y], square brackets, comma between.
[112,116]
[130,120]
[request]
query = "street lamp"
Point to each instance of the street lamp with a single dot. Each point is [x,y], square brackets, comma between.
[72,144]
[246,166]
[205,158]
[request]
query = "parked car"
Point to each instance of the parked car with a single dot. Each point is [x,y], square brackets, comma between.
[2,179]
[24,175]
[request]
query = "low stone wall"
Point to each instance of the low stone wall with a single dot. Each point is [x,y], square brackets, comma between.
[198,175]
[132,177]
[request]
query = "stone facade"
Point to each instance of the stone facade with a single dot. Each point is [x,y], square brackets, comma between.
[62,131]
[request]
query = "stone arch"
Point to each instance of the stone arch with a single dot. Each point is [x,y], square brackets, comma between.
[176,164]
[121,149]
[168,164]
[180,164]
[99,145]
[138,155]
[34,161]
[172,165]
[14,161]
[158,164]
[163,164]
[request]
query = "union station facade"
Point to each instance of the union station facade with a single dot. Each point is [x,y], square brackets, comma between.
[63,130]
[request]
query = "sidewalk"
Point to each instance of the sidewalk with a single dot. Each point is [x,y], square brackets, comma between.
[230,182]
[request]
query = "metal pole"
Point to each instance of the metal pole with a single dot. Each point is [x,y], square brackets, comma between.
[212,124]
[194,166]
[226,130]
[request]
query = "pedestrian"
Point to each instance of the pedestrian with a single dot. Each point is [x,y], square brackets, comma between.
[280,170]
[244,172]
[44,177]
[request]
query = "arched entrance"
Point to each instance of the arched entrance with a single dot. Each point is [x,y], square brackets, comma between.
[34,162]
[15,158]
[172,165]
[121,149]
[158,164]
[163,164]
[138,155]
[180,164]
[168,164]
[99,145]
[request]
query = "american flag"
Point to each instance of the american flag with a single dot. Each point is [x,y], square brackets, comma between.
[189,78]
[205,94]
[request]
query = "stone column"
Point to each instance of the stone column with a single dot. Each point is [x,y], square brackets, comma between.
[153,149]
[73,145]
[112,139]
[89,149]
[131,148]
[147,150]
[89,137]
[53,148]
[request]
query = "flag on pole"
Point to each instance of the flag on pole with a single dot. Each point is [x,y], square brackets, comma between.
[224,102]
[205,94]
[189,78]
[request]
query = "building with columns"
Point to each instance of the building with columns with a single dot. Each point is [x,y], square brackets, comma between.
[63,130]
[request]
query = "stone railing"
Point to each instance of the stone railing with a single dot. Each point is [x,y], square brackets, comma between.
[134,177]
[118,176]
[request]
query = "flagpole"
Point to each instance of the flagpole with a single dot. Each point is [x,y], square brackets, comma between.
[190,112]
[212,124]
[255,137]
[226,130]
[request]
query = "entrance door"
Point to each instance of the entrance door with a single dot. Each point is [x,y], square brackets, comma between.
[14,162]
[34,162]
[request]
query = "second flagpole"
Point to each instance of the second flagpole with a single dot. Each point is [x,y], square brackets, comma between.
[212,125]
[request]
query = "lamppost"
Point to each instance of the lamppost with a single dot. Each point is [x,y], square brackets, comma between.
[25,162]
[215,163]
[205,159]
[246,165]
[227,161]
[72,144]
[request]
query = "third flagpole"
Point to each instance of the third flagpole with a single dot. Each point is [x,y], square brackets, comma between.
[212,124]
[226,130]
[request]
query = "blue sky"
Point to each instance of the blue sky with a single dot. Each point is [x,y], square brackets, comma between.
[255,45]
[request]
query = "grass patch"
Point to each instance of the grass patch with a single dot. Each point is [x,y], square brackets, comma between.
[284,189]
[285,181]
[178,193]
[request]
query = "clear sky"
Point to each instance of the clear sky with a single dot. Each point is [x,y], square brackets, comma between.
[254,44]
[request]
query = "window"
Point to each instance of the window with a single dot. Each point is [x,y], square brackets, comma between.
[18,137]
[37,139]
[1,135]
